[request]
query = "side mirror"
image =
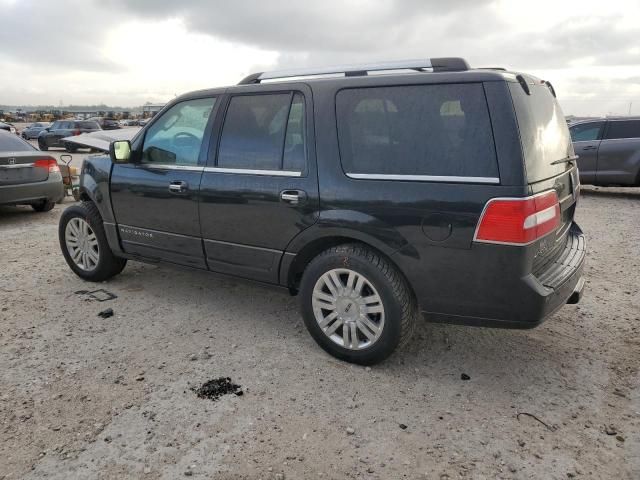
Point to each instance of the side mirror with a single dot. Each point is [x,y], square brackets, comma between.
[120,151]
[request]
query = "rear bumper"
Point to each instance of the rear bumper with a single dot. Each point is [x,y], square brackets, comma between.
[497,299]
[51,189]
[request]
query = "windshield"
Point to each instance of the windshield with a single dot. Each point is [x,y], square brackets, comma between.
[543,131]
[13,143]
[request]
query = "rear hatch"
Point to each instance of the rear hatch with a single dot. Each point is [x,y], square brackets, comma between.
[20,163]
[550,163]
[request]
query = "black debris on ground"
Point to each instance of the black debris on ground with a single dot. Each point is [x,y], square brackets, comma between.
[106,313]
[214,389]
[464,376]
[102,295]
[403,426]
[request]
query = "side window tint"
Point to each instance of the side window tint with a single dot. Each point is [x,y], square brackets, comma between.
[623,129]
[586,132]
[263,132]
[431,130]
[176,137]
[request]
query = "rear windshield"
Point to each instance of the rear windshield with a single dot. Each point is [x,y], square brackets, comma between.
[13,143]
[543,131]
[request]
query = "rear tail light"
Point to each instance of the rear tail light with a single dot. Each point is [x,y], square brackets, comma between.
[48,163]
[518,221]
[77,132]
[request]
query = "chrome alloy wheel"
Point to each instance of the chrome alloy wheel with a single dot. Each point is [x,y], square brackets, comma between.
[82,244]
[348,308]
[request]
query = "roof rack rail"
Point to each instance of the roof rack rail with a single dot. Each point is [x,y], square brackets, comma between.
[444,64]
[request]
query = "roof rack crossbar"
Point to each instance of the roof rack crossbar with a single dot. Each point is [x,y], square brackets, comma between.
[434,64]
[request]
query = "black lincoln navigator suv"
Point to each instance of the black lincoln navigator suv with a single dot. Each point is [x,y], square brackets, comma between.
[377,193]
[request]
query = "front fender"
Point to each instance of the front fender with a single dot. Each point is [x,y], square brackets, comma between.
[94,184]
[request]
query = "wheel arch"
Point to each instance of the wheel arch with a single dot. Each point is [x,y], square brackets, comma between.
[294,264]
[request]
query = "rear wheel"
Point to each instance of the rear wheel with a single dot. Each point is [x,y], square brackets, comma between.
[356,304]
[43,206]
[70,148]
[84,244]
[42,146]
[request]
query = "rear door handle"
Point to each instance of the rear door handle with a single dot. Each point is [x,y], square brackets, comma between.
[178,187]
[294,197]
[590,147]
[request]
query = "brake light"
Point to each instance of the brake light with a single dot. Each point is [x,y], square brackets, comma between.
[77,132]
[518,221]
[48,163]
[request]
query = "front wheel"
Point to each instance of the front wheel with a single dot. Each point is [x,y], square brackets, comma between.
[84,244]
[70,148]
[356,305]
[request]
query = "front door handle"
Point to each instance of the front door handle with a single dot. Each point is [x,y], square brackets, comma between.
[178,187]
[590,147]
[294,197]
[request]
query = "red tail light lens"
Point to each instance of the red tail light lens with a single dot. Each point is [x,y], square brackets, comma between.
[77,132]
[518,221]
[48,163]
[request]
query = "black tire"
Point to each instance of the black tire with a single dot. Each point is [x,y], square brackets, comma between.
[43,206]
[70,148]
[108,264]
[42,147]
[399,303]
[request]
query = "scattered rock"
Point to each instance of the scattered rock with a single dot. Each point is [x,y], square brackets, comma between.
[350,431]
[188,473]
[464,376]
[620,438]
[106,313]
[610,430]
[403,426]
[214,389]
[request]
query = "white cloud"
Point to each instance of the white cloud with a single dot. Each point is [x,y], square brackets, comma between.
[127,52]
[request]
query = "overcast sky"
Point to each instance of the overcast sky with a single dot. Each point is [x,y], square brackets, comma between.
[128,52]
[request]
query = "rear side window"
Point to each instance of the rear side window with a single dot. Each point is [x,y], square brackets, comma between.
[90,125]
[264,132]
[622,129]
[586,132]
[13,143]
[426,130]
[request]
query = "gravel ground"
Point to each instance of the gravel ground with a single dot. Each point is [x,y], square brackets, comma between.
[83,396]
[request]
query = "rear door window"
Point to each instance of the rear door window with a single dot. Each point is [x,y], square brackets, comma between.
[586,132]
[264,132]
[618,129]
[416,131]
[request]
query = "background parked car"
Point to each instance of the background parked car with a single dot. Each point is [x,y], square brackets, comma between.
[106,123]
[27,177]
[33,130]
[8,127]
[608,150]
[52,136]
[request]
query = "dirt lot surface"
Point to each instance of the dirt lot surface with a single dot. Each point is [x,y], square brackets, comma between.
[83,396]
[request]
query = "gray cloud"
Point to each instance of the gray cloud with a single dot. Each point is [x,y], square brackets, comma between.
[63,34]
[69,34]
